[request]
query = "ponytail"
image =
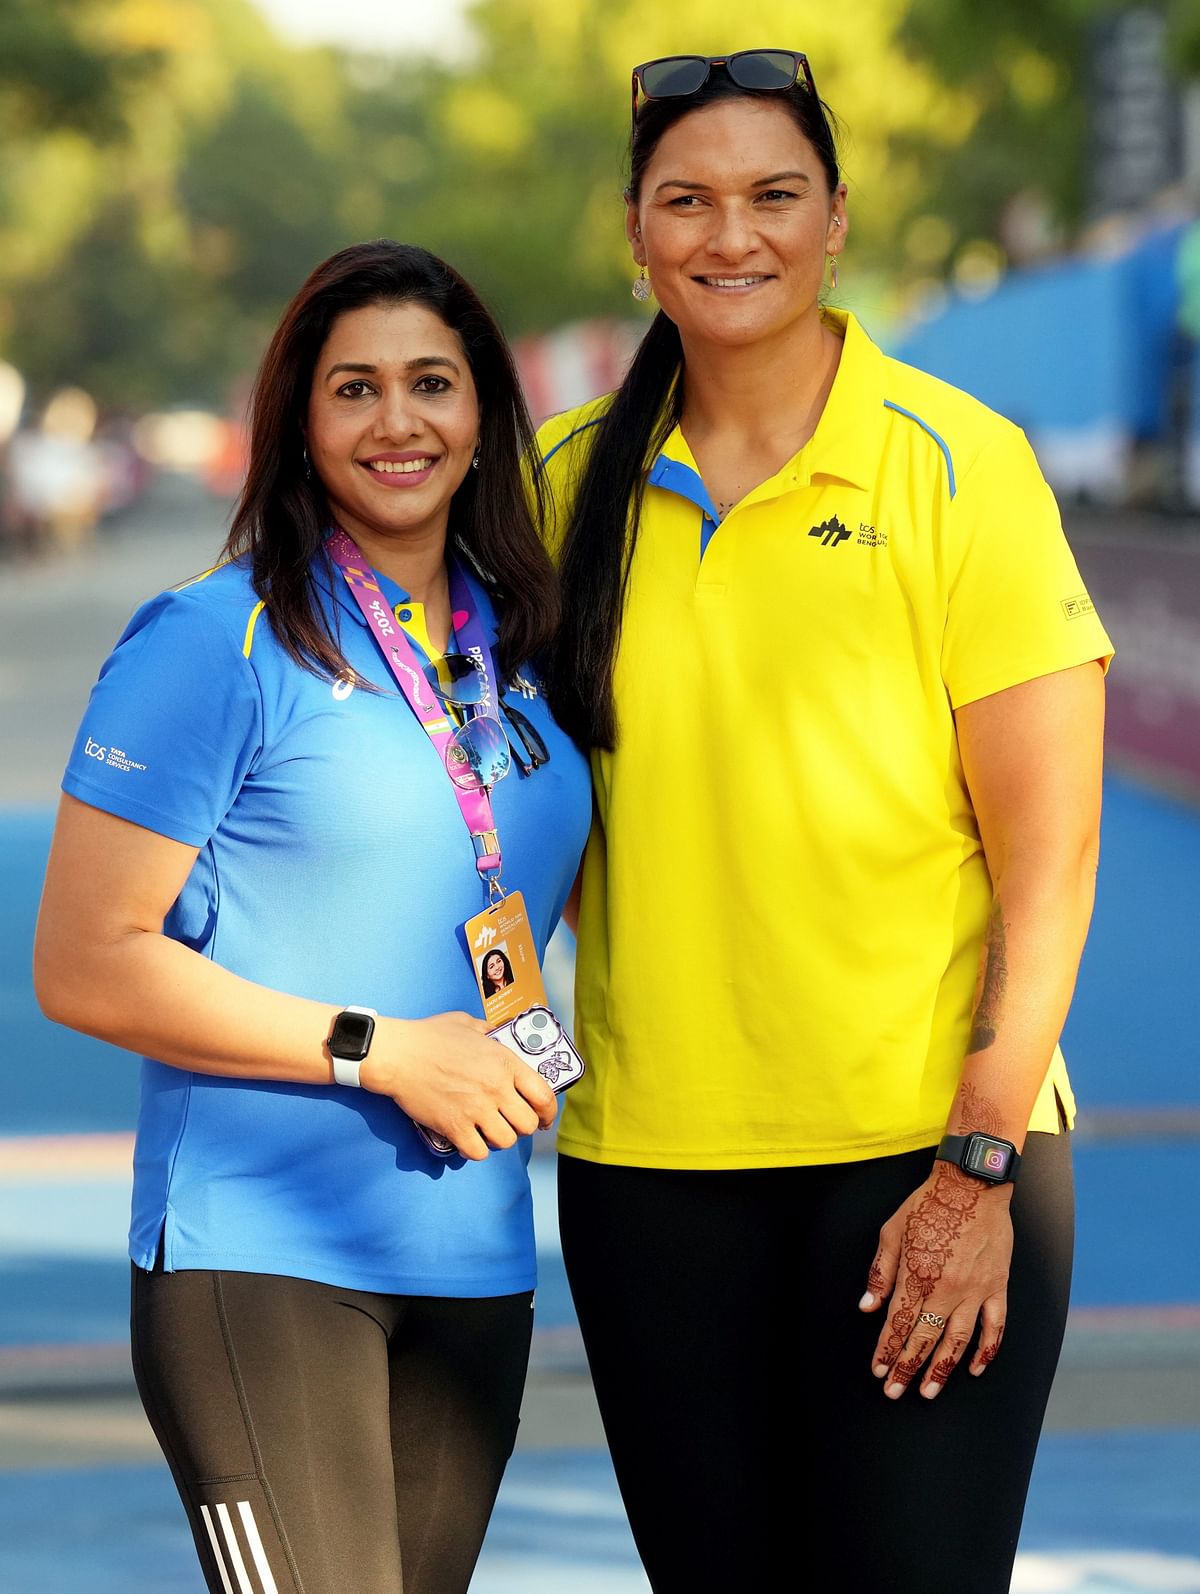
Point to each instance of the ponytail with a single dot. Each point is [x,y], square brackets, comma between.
[600,541]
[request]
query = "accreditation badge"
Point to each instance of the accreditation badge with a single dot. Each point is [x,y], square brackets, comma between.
[504,960]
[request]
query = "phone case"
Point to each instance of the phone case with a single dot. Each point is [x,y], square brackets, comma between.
[538,1038]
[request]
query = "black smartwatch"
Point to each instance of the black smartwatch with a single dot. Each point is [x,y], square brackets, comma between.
[350,1041]
[983,1156]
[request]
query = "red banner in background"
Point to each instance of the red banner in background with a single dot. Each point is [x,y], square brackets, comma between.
[1146,585]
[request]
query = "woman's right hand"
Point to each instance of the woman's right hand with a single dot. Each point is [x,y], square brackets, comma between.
[447,1073]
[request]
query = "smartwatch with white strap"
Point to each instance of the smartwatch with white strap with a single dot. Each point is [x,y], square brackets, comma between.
[350,1041]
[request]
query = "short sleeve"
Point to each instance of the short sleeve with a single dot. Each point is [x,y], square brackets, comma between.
[172,725]
[1017,607]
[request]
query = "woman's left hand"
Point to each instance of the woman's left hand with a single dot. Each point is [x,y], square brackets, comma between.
[944,1259]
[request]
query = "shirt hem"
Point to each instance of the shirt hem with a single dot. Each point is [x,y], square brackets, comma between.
[739,1157]
[347,1278]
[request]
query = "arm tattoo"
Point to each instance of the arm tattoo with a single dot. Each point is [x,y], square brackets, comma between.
[932,1228]
[993,981]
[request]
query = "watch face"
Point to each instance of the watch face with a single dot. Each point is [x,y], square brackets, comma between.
[988,1158]
[351,1036]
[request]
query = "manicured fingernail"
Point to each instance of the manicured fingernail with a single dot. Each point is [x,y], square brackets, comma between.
[881,1369]
[931,1391]
[975,1371]
[867,1302]
[893,1391]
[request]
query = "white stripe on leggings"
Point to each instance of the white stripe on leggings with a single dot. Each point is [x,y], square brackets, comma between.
[235,1552]
[254,1539]
[216,1549]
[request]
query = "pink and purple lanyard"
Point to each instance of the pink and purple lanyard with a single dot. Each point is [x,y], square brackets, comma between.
[475,806]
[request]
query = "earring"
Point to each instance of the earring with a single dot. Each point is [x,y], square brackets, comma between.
[641,289]
[833,272]
[475,461]
[307,463]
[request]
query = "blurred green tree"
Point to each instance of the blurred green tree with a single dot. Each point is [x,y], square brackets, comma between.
[171,168]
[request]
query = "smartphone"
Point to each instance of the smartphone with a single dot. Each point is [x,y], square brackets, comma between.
[537,1038]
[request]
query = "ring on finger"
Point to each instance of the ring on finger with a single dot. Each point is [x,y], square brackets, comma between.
[934,1319]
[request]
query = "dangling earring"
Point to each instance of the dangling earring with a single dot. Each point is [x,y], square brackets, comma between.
[307,463]
[641,289]
[475,461]
[833,272]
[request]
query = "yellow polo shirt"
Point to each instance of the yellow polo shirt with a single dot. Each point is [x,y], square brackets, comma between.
[785,892]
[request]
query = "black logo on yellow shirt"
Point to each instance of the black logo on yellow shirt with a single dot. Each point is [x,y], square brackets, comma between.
[1080,604]
[831,532]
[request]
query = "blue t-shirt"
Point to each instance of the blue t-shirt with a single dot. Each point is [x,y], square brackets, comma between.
[334,864]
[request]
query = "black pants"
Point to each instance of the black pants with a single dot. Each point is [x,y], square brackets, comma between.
[329,1441]
[753,1446]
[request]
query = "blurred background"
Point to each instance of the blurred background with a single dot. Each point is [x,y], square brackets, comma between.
[1025,207]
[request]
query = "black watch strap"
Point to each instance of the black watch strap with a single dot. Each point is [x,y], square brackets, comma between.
[985,1157]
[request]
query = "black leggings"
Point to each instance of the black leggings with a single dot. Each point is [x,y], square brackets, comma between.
[330,1441]
[753,1446]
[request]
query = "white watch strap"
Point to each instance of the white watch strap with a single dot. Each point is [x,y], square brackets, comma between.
[346,1070]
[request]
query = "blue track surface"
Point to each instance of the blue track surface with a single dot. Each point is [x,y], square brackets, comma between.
[1112,1514]
[1130,1041]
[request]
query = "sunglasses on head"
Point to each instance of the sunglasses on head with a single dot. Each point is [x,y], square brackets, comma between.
[674,77]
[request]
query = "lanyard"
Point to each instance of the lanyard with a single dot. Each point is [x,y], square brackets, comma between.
[398,653]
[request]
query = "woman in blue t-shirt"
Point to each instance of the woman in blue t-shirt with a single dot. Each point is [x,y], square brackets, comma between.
[267,799]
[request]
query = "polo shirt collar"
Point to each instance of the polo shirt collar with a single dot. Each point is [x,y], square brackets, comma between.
[846,445]
[332,586]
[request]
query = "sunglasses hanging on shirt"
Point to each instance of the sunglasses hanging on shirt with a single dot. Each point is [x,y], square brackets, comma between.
[483,745]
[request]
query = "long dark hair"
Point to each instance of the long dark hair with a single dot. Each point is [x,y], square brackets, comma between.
[283,517]
[598,548]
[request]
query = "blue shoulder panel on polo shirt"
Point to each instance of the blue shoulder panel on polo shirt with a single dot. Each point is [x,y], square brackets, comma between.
[925,427]
[676,477]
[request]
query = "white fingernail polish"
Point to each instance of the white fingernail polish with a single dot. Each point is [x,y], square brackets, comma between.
[867,1302]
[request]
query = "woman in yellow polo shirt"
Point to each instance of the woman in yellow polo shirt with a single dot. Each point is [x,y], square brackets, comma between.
[844,690]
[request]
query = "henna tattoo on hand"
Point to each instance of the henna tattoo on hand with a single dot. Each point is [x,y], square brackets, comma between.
[933,1226]
[940,1371]
[988,1353]
[876,1282]
[904,1371]
[993,982]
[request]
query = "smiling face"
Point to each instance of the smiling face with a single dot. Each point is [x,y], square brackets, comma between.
[734,220]
[393,423]
[494,968]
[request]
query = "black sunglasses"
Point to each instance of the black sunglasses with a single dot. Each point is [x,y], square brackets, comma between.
[673,77]
[530,738]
